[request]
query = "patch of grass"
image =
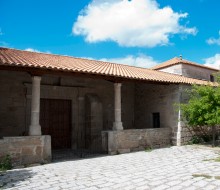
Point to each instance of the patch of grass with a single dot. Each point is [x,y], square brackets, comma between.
[206,176]
[213,159]
[217,177]
[148,149]
[202,175]
[5,163]
[206,160]
[217,159]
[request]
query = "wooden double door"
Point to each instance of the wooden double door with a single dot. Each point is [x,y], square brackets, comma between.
[55,120]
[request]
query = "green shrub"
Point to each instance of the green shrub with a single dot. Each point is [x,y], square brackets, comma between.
[5,163]
[195,140]
[206,138]
[198,139]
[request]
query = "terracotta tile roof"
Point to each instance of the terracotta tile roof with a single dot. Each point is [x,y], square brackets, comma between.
[176,61]
[24,59]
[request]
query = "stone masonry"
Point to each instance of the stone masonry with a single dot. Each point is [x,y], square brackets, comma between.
[138,102]
[26,149]
[189,71]
[135,139]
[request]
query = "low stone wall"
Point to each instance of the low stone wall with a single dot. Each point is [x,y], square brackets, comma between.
[187,133]
[115,142]
[26,149]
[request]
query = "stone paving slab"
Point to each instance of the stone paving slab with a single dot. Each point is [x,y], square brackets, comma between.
[168,168]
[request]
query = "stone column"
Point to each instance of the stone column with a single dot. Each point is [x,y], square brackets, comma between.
[117,125]
[35,128]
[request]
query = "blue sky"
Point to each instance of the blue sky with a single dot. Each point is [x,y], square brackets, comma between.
[136,32]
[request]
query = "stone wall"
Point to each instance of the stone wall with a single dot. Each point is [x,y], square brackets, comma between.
[26,149]
[12,103]
[156,98]
[196,72]
[94,123]
[174,69]
[189,71]
[115,142]
[187,133]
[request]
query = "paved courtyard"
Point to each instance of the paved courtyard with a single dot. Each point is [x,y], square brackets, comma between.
[169,168]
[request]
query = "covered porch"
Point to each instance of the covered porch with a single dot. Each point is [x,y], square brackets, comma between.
[60,112]
[50,102]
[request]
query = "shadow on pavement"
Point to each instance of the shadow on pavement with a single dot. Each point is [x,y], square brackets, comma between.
[14,178]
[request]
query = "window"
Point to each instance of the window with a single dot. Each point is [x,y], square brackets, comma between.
[156,120]
[211,78]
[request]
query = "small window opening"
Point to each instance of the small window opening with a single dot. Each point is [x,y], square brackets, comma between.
[211,78]
[156,120]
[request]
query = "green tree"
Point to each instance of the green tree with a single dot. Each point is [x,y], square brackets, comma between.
[203,108]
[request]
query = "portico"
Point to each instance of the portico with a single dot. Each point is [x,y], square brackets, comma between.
[81,104]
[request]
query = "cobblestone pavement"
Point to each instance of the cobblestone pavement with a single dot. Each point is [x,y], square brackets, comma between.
[168,168]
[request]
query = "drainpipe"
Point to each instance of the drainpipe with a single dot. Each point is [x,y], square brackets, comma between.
[179,125]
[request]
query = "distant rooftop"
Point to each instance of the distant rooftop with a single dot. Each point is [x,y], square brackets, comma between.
[179,60]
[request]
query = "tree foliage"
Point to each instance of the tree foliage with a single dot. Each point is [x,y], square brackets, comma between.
[203,107]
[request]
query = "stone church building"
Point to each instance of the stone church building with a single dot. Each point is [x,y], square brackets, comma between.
[52,102]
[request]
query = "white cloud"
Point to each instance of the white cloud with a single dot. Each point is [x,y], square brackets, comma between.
[32,50]
[213,61]
[139,61]
[212,40]
[4,44]
[35,50]
[130,23]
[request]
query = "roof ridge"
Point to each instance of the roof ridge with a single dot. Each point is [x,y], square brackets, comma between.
[82,58]
[179,61]
[8,57]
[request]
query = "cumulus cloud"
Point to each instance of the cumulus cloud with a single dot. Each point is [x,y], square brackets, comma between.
[139,61]
[130,23]
[32,50]
[35,50]
[212,40]
[213,61]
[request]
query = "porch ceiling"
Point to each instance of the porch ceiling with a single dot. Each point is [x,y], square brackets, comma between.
[42,63]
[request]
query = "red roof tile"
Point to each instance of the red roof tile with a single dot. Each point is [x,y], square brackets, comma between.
[19,58]
[176,61]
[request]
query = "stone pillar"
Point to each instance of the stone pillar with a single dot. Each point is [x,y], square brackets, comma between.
[117,125]
[35,128]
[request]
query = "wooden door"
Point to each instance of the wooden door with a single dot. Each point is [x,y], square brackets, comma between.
[55,120]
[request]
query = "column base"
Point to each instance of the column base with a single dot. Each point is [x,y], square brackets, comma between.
[117,126]
[35,130]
